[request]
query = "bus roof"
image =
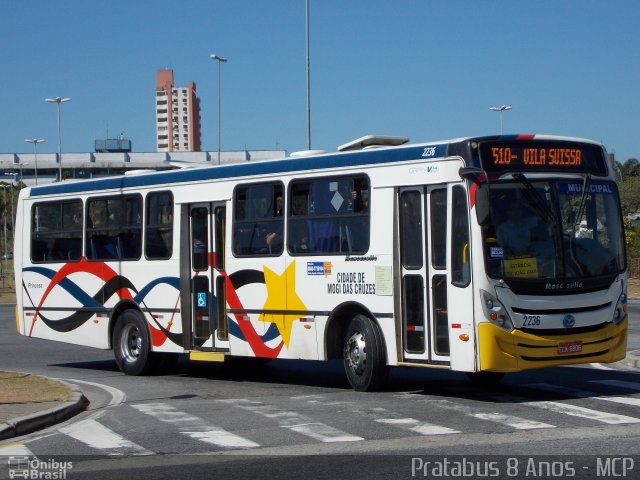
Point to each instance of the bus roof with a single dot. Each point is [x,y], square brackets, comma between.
[377,156]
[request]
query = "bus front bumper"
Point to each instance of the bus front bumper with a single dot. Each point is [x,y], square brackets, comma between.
[502,351]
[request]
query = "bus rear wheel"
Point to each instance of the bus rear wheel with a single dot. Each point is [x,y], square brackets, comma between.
[132,344]
[364,355]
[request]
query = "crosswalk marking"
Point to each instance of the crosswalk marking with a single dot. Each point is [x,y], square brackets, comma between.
[295,422]
[417,426]
[571,410]
[194,427]
[584,394]
[634,386]
[382,415]
[96,435]
[15,450]
[501,418]
[576,411]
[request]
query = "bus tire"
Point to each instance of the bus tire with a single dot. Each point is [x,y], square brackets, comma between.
[363,355]
[132,344]
[485,379]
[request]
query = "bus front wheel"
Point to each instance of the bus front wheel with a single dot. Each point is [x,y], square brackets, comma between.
[132,343]
[364,355]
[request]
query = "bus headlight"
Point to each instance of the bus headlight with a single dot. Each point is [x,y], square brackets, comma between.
[620,313]
[495,312]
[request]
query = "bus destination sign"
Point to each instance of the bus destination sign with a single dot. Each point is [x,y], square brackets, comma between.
[501,156]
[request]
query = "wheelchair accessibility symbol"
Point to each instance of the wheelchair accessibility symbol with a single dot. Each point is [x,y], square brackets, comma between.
[202,300]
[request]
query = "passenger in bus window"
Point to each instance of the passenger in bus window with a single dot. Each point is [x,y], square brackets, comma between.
[274,242]
[352,201]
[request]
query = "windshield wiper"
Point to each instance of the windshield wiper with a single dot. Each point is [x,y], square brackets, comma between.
[546,213]
[586,183]
[535,199]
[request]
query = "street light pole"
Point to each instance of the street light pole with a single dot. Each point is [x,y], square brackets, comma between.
[35,142]
[58,101]
[20,164]
[501,109]
[220,60]
[308,84]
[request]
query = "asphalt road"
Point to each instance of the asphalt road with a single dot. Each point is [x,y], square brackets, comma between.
[295,419]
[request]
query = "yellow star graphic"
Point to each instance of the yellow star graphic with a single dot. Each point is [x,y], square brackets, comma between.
[281,295]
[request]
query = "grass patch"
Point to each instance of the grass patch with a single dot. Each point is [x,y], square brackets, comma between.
[23,387]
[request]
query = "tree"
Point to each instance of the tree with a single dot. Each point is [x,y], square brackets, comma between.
[630,168]
[630,195]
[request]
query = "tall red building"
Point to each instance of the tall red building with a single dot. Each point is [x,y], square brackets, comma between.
[177,115]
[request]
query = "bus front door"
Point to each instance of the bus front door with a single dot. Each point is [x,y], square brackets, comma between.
[207,260]
[422,214]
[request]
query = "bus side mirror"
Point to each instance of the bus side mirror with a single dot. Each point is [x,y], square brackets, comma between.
[483,212]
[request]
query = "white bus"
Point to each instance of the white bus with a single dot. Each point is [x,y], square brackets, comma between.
[382,254]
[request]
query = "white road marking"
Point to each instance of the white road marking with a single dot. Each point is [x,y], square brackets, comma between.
[599,366]
[194,427]
[509,420]
[568,409]
[382,415]
[100,437]
[588,413]
[15,450]
[584,394]
[417,426]
[117,396]
[295,421]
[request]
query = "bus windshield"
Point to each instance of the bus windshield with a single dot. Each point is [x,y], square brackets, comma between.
[553,230]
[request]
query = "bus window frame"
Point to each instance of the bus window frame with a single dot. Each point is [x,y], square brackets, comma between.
[460,278]
[87,229]
[270,222]
[170,226]
[56,232]
[310,217]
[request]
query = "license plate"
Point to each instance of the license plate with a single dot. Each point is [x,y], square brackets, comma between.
[570,347]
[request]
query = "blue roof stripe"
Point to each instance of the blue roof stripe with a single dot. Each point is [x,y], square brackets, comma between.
[371,157]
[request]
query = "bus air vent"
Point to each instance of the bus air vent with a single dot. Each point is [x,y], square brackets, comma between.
[373,141]
[306,153]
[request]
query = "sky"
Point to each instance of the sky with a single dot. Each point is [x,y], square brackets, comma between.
[426,69]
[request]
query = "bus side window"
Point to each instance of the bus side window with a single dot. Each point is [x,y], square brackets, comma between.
[114,228]
[460,261]
[258,223]
[329,215]
[159,226]
[56,231]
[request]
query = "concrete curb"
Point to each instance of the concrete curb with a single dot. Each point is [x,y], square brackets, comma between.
[36,421]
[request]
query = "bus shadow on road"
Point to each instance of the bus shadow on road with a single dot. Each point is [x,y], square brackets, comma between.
[548,384]
[97,365]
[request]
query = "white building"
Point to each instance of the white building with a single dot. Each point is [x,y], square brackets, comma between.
[44,167]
